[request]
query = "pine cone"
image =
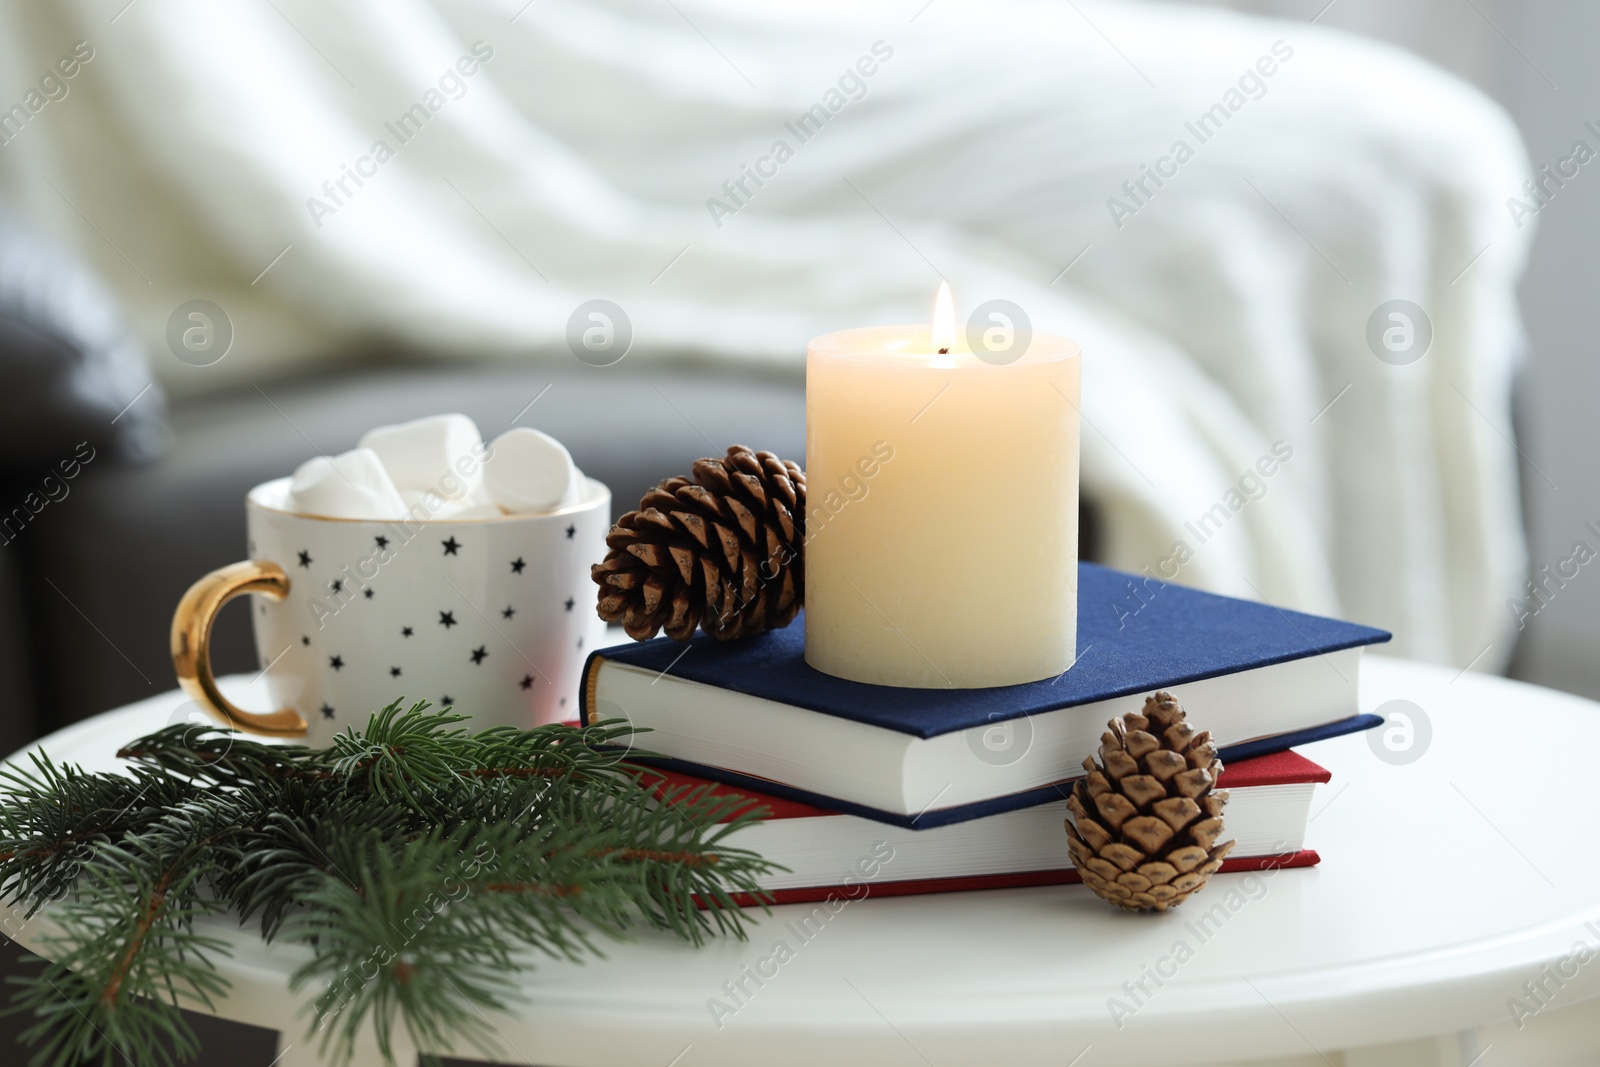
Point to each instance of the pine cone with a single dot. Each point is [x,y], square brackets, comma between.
[1145,821]
[722,552]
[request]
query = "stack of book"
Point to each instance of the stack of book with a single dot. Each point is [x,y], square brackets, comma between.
[930,790]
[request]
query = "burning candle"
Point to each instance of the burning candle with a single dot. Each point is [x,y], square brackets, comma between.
[942,530]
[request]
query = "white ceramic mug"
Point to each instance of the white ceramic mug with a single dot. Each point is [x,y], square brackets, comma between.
[492,616]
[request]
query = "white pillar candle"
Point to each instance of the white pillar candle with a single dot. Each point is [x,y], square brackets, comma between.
[942,522]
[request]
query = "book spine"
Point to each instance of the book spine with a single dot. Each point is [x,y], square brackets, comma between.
[1063,876]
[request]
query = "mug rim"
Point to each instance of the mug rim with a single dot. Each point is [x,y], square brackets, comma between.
[601,495]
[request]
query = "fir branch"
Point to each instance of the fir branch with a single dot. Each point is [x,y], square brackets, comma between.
[126,953]
[54,818]
[424,866]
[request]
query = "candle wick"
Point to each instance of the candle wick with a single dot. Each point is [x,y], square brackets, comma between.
[944,351]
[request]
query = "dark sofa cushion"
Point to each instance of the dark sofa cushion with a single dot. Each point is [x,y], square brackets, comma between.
[69,368]
[20,722]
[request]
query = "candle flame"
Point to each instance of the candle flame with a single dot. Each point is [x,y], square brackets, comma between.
[944,320]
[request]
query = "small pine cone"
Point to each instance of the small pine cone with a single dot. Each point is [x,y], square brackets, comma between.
[1144,823]
[722,552]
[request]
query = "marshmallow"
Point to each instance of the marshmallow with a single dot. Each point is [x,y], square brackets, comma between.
[479,511]
[426,505]
[429,506]
[441,453]
[351,486]
[526,470]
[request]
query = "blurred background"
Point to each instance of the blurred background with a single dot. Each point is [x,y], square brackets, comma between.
[235,235]
[1528,58]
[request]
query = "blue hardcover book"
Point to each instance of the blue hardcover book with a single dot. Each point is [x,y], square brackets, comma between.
[753,714]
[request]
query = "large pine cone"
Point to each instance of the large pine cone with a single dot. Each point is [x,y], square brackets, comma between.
[1145,822]
[722,552]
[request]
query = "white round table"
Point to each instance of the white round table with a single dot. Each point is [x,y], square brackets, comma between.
[1445,885]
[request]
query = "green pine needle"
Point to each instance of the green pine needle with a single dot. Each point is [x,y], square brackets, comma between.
[425,867]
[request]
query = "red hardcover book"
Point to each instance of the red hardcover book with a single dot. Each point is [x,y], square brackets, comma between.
[829,854]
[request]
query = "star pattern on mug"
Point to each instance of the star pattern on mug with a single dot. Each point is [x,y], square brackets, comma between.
[447,619]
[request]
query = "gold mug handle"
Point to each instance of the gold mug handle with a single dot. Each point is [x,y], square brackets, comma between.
[191,644]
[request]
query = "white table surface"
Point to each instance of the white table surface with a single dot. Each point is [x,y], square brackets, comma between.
[1445,884]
